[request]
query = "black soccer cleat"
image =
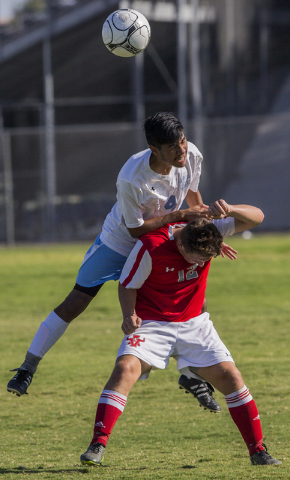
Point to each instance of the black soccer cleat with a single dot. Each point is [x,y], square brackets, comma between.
[94,454]
[20,382]
[201,390]
[263,458]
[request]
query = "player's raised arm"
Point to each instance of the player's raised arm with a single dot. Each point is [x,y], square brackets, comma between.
[186,215]
[246,216]
[196,209]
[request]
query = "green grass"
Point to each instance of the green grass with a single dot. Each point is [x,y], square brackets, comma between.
[162,434]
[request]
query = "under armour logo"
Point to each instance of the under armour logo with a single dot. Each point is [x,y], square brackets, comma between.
[135,341]
[169,269]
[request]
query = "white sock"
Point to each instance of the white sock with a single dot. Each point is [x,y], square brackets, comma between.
[47,335]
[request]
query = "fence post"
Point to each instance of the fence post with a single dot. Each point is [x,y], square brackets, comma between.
[181,62]
[138,98]
[8,189]
[195,75]
[49,128]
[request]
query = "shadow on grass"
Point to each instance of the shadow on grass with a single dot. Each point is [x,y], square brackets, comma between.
[22,469]
[19,470]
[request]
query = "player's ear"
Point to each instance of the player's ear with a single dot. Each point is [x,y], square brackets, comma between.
[154,150]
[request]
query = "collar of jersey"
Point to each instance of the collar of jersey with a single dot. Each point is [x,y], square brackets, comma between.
[159,175]
[171,227]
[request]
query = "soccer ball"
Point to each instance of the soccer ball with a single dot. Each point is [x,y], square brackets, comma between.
[126,32]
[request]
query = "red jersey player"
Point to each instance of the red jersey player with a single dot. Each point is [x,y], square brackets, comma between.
[151,188]
[161,292]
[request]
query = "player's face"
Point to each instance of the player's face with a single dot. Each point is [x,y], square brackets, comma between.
[194,257]
[174,154]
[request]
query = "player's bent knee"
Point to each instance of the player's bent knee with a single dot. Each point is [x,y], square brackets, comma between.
[229,370]
[232,377]
[91,291]
[237,376]
[128,365]
[224,376]
[234,374]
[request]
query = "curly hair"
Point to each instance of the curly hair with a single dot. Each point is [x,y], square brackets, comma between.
[202,236]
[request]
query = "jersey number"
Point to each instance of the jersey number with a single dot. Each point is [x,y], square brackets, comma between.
[171,203]
[189,274]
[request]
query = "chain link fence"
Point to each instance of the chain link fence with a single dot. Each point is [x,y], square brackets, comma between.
[88,159]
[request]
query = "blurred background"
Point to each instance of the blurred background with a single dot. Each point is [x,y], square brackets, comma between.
[71,112]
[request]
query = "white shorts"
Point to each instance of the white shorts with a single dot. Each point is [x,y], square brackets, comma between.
[194,343]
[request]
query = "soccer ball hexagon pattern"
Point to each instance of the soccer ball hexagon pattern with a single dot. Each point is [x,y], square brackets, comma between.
[126,32]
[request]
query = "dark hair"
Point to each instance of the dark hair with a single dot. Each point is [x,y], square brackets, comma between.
[161,128]
[202,236]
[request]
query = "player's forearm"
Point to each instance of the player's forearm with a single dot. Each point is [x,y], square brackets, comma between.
[247,213]
[131,321]
[246,217]
[157,222]
[178,216]
[127,299]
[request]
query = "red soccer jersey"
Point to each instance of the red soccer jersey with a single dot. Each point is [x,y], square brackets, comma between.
[169,288]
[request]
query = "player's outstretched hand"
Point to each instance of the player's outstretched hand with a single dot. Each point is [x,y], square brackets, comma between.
[219,209]
[197,211]
[228,251]
[131,323]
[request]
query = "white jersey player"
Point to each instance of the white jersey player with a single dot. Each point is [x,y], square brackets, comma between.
[144,194]
[151,188]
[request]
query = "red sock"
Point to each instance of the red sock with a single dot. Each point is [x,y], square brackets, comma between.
[110,407]
[245,414]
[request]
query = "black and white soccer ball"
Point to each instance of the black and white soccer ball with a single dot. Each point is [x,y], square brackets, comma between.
[126,32]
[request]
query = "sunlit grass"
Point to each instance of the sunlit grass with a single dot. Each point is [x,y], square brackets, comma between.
[162,434]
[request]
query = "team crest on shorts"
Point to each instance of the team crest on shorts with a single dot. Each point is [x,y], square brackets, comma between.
[135,340]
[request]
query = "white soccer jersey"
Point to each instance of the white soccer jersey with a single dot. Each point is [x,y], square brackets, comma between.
[143,194]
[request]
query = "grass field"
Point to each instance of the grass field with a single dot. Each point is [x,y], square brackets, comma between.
[162,434]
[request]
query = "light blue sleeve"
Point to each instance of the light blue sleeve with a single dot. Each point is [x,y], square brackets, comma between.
[226,226]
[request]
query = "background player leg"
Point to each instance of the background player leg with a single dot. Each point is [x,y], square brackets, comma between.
[199,388]
[194,384]
[100,264]
[48,333]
